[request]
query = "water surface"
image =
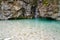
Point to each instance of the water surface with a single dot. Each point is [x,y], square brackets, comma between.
[46,29]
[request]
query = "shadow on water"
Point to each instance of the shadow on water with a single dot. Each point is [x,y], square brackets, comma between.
[34,19]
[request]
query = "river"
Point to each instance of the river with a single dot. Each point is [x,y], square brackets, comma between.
[30,29]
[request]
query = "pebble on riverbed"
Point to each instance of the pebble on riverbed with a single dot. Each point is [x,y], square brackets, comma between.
[27,33]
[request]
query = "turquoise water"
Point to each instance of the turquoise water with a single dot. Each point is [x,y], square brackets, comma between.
[51,27]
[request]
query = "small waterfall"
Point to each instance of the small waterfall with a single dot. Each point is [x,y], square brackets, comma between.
[36,13]
[58,16]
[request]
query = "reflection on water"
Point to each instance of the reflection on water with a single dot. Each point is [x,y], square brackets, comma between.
[30,29]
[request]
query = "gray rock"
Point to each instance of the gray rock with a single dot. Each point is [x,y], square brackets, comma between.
[13,9]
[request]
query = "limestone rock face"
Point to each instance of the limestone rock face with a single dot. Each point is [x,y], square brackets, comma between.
[10,9]
[28,9]
[50,10]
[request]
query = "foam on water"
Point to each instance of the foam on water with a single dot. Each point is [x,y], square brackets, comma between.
[30,29]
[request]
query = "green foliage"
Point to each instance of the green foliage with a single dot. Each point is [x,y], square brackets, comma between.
[34,2]
[45,2]
[0,2]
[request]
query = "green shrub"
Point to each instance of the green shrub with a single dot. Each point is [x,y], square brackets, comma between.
[45,2]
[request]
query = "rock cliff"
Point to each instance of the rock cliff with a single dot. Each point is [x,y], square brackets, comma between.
[29,9]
